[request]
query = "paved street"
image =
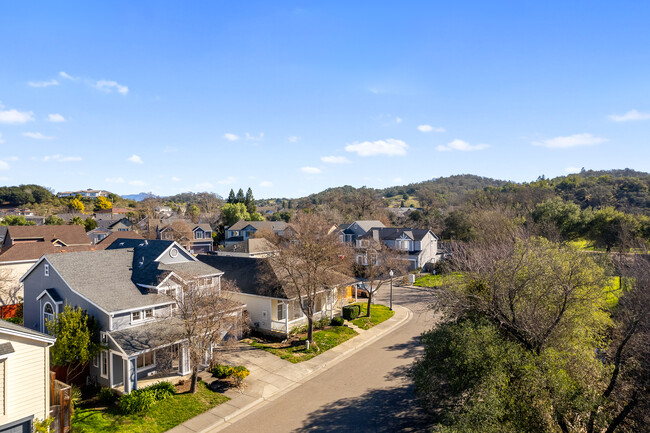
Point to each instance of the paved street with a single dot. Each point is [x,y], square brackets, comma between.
[366,392]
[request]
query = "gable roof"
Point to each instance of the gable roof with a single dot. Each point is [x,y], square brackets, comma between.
[32,251]
[108,240]
[254,276]
[203,226]
[391,233]
[274,226]
[69,234]
[366,225]
[251,246]
[21,331]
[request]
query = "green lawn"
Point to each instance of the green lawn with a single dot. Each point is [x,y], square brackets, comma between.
[161,417]
[324,339]
[378,314]
[433,281]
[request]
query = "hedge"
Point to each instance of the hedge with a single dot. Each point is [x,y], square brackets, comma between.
[351,312]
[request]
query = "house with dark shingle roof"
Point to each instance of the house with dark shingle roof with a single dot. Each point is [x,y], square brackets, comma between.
[420,245]
[256,247]
[125,288]
[269,308]
[197,238]
[106,227]
[349,233]
[243,230]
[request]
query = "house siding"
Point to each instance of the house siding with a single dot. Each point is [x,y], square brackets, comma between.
[26,380]
[36,282]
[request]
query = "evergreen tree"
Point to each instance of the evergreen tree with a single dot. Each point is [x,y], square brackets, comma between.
[231,197]
[249,201]
[240,196]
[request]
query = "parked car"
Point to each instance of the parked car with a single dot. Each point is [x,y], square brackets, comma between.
[362,289]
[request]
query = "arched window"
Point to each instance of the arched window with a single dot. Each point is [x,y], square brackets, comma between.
[48,316]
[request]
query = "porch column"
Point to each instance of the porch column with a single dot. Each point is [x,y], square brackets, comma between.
[126,375]
[132,374]
[286,317]
[184,360]
[331,297]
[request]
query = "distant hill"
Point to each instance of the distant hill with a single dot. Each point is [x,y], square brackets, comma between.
[141,196]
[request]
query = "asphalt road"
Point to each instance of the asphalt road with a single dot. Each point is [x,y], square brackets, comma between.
[367,392]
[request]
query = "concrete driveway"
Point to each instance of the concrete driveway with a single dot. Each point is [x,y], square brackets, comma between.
[367,392]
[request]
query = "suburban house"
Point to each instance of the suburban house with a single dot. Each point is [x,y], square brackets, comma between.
[268,307]
[89,193]
[129,289]
[24,377]
[243,230]
[24,245]
[197,238]
[256,247]
[106,227]
[420,245]
[349,233]
[114,213]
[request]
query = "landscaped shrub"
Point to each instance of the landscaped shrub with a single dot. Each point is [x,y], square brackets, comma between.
[338,321]
[75,396]
[239,373]
[351,312]
[142,399]
[322,323]
[221,371]
[106,395]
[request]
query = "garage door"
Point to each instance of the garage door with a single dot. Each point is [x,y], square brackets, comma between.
[21,426]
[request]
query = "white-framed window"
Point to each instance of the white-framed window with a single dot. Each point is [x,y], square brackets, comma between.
[48,316]
[148,313]
[136,316]
[198,234]
[103,337]
[146,360]
[96,361]
[47,270]
[103,363]
[281,311]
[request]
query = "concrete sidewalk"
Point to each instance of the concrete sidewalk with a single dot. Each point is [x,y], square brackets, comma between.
[271,377]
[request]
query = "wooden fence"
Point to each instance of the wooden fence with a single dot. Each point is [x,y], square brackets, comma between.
[60,402]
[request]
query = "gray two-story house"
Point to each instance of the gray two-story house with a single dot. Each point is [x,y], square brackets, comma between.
[244,230]
[128,289]
[420,245]
[349,233]
[197,238]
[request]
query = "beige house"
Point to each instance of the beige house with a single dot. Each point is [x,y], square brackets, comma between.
[24,377]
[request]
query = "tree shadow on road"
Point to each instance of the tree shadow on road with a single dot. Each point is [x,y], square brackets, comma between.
[379,410]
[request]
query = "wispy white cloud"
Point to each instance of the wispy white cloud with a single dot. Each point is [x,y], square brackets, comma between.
[294,139]
[37,136]
[175,179]
[4,165]
[230,137]
[227,181]
[254,138]
[135,159]
[398,120]
[48,83]
[1,140]
[59,158]
[14,116]
[390,147]
[55,118]
[108,86]
[570,141]
[66,76]
[335,159]
[203,185]
[462,146]
[115,180]
[398,180]
[138,183]
[311,170]
[630,115]
[429,128]
[266,184]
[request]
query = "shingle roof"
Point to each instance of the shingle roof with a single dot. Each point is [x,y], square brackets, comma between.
[6,349]
[146,337]
[251,246]
[70,234]
[12,327]
[260,225]
[54,295]
[390,233]
[203,226]
[108,240]
[34,251]
[254,276]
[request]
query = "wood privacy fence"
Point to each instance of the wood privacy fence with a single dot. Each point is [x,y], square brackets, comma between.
[60,405]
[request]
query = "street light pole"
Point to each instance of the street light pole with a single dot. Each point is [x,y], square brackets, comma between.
[391,289]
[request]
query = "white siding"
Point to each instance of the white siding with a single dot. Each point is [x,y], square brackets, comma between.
[27,380]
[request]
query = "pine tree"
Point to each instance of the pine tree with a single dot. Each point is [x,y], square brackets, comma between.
[231,197]
[240,196]
[249,201]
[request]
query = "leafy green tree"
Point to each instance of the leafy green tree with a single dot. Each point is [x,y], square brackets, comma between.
[610,228]
[77,340]
[255,216]
[459,227]
[16,220]
[555,216]
[54,220]
[193,212]
[233,212]
[77,221]
[90,224]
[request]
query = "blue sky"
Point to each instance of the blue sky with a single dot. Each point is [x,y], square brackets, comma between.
[293,97]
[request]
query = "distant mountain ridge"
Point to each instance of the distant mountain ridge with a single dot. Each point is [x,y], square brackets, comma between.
[140,197]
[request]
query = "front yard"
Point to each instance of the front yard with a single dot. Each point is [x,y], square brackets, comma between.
[161,417]
[294,351]
[378,314]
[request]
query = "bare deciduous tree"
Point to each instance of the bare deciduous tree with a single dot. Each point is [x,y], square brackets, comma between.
[311,259]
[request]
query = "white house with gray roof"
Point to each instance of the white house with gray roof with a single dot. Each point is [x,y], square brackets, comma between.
[125,287]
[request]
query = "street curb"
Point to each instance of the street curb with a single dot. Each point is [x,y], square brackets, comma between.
[242,412]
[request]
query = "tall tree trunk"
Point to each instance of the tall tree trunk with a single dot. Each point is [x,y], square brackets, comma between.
[195,377]
[310,329]
[369,303]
